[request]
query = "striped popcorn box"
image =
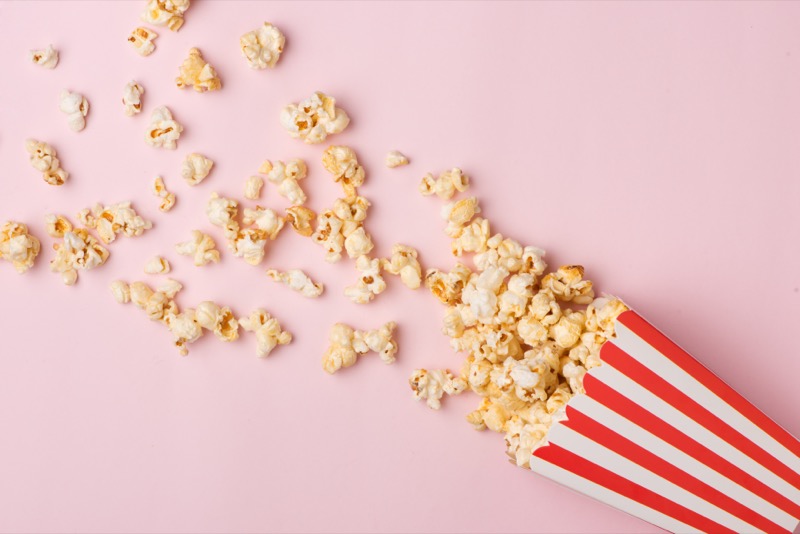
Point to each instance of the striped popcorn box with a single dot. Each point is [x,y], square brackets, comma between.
[661,437]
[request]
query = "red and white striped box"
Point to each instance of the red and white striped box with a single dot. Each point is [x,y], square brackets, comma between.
[661,437]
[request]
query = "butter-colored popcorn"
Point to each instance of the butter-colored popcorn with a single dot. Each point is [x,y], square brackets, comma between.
[217,319]
[143,40]
[448,286]
[121,291]
[432,385]
[252,187]
[262,47]
[76,107]
[300,218]
[167,198]
[522,439]
[314,119]
[43,158]
[473,237]
[184,328]
[268,331]
[167,13]
[110,221]
[18,246]
[79,250]
[250,245]
[404,263]
[567,284]
[345,344]
[201,247]
[446,185]
[198,73]
[264,219]
[328,235]
[157,265]
[380,341]
[56,225]
[195,168]
[370,282]
[222,212]
[342,163]
[164,131]
[395,159]
[358,243]
[298,281]
[459,214]
[45,57]
[132,98]
[285,176]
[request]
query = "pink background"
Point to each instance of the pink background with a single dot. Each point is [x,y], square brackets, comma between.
[657,144]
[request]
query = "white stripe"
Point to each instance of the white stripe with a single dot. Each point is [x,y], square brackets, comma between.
[641,396]
[571,440]
[679,459]
[612,498]
[642,351]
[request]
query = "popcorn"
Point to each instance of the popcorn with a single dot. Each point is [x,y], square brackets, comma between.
[404,263]
[370,282]
[167,198]
[45,57]
[143,40]
[358,243]
[196,168]
[201,247]
[121,291]
[222,212]
[264,219]
[249,245]
[165,13]
[164,131]
[196,72]
[380,341]
[43,159]
[432,385]
[56,225]
[219,320]
[459,214]
[78,250]
[446,185]
[341,162]
[395,159]
[300,217]
[267,330]
[567,284]
[76,107]
[132,98]
[313,119]
[347,344]
[252,187]
[157,265]
[328,235]
[18,246]
[184,328]
[298,281]
[262,47]
[473,237]
[285,176]
[109,221]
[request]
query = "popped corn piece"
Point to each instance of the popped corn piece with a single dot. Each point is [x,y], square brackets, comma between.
[601,314]
[121,291]
[250,245]
[198,73]
[432,385]
[201,247]
[195,168]
[533,260]
[264,219]
[252,187]
[340,351]
[219,320]
[132,98]
[358,243]
[157,265]
[222,212]
[267,329]
[140,293]
[18,246]
[446,185]
[370,282]
[184,328]
[559,398]
[404,263]
[380,341]
[567,331]
[567,284]
[45,57]
[300,217]
[574,374]
[76,107]
[143,40]
[328,235]
[112,220]
[472,238]
[165,13]
[351,210]
[522,439]
[448,286]
[78,250]
[56,225]
[513,302]
[459,214]
[167,198]
[285,176]
[313,119]
[170,288]
[342,163]
[298,281]
[164,131]
[395,159]
[43,159]
[262,47]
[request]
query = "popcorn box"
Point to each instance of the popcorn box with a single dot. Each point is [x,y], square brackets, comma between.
[661,437]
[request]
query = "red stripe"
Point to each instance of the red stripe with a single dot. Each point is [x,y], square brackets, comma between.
[610,398]
[603,477]
[685,361]
[637,454]
[621,360]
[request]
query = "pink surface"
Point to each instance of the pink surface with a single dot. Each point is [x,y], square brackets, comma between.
[657,144]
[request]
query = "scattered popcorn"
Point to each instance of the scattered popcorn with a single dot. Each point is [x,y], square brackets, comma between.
[196,168]
[56,225]
[167,13]
[446,185]
[45,57]
[264,219]
[201,247]
[18,246]
[404,263]
[157,265]
[285,176]
[121,291]
[252,187]
[328,235]
[110,221]
[143,40]
[164,131]
[300,217]
[567,284]
[250,245]
[432,385]
[313,119]
[78,250]
[262,47]
[132,98]
[370,282]
[380,341]
[76,107]
[222,212]
[43,159]
[347,344]
[298,281]
[341,162]
[167,198]
[395,159]
[184,328]
[267,330]
[358,243]
[196,72]
[219,320]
